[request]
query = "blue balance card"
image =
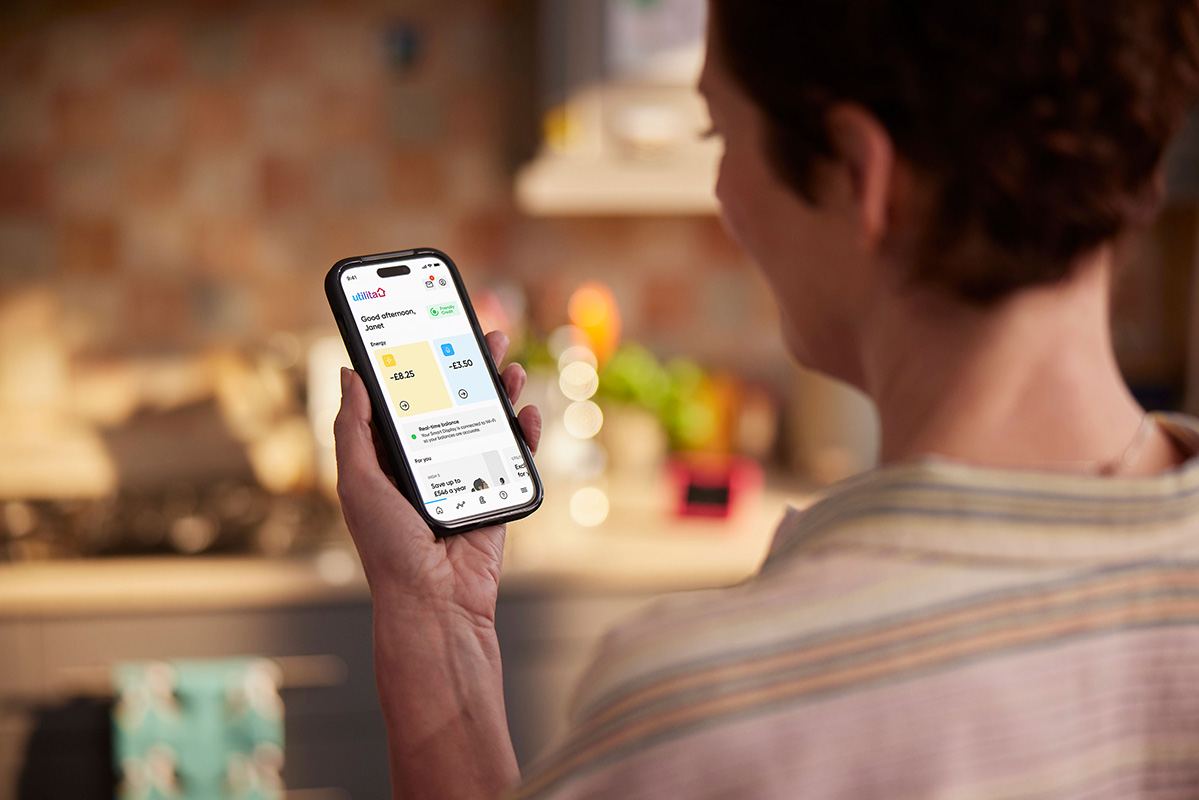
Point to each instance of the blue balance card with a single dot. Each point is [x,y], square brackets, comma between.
[465,370]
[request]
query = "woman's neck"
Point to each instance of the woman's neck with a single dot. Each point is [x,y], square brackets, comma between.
[1031,383]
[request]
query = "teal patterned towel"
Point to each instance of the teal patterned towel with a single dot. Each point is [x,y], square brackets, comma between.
[198,730]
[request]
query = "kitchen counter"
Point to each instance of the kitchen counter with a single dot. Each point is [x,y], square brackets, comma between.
[642,546]
[63,624]
[638,548]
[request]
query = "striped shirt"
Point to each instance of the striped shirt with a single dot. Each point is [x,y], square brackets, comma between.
[927,630]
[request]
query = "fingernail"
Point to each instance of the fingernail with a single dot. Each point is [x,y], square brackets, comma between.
[345,380]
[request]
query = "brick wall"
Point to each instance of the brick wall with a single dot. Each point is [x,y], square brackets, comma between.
[184,173]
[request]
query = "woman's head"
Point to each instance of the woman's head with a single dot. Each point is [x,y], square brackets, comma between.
[1026,133]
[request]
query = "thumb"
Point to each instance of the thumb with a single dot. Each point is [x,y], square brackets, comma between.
[357,463]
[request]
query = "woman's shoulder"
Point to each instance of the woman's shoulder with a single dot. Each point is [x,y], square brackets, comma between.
[904,572]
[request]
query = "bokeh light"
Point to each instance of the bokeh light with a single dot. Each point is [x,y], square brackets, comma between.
[583,419]
[590,305]
[592,308]
[577,353]
[589,506]
[578,380]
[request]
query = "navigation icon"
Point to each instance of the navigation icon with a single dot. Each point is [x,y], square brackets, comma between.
[503,495]
[440,510]
[404,405]
[463,394]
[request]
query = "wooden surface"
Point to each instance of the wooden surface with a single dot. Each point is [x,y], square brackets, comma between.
[640,547]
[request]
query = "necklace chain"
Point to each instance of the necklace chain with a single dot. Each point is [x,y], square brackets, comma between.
[1105,468]
[1133,451]
[1123,462]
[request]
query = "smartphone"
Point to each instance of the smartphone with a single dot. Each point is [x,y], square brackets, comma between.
[446,424]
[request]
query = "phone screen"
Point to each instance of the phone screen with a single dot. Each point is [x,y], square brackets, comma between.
[452,425]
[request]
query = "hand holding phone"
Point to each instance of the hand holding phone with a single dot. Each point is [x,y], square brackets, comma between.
[401,555]
[437,656]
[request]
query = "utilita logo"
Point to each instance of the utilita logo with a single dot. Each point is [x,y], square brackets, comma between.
[368,295]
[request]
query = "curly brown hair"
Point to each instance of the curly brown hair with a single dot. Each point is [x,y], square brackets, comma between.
[1042,123]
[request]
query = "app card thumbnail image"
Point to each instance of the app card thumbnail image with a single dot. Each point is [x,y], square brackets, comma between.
[464,369]
[516,462]
[518,469]
[463,476]
[412,379]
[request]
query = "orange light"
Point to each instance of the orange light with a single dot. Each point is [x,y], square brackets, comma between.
[590,305]
[593,309]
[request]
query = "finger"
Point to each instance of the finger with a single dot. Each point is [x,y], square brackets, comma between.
[381,455]
[530,425]
[357,464]
[497,343]
[514,378]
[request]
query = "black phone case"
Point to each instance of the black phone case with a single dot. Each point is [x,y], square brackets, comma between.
[381,416]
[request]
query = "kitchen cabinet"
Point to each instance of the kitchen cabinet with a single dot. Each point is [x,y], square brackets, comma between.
[55,741]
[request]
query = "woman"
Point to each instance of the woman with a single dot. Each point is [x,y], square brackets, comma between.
[1007,607]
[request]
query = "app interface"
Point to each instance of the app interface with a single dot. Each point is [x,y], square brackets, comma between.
[452,424]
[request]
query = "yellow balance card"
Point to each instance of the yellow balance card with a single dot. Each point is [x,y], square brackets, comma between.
[411,377]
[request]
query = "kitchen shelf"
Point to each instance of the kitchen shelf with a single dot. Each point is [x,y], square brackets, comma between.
[559,185]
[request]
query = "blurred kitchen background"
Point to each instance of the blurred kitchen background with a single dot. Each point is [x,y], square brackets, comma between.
[176,178]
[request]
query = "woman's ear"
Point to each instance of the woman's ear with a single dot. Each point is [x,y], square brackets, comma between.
[867,153]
